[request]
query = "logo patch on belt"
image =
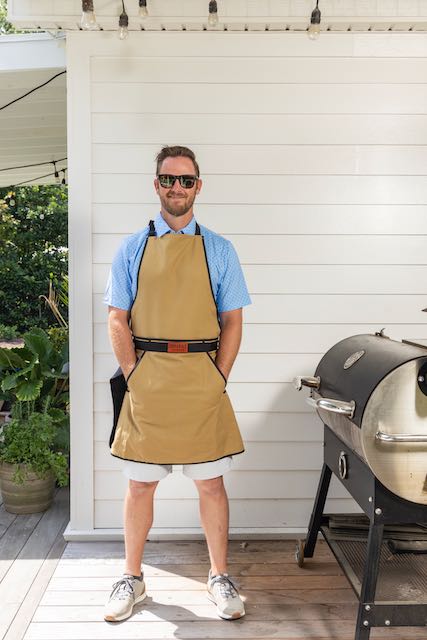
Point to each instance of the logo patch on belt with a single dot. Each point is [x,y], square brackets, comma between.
[177,347]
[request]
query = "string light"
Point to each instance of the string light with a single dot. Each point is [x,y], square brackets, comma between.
[123,24]
[57,180]
[88,19]
[213,13]
[10,199]
[63,181]
[46,175]
[143,11]
[313,31]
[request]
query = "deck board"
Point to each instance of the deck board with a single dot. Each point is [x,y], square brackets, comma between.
[15,538]
[25,546]
[35,593]
[202,628]
[283,602]
[6,519]
[51,589]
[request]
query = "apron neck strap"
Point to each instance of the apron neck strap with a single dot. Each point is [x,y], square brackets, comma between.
[152,230]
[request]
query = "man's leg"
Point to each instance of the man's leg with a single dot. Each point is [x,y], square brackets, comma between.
[138,519]
[214,516]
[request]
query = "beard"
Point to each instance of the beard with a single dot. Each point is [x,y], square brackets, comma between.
[177,207]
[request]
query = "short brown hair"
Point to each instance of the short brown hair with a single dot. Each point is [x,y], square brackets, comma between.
[176,152]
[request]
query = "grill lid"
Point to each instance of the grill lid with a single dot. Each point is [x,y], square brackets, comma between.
[354,367]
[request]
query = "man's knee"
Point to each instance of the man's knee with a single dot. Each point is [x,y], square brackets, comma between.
[211,487]
[139,489]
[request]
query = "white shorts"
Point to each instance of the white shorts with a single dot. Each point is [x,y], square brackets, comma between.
[144,472]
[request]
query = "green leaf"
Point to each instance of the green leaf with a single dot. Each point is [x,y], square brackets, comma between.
[63,399]
[49,372]
[57,415]
[38,343]
[9,382]
[9,359]
[29,390]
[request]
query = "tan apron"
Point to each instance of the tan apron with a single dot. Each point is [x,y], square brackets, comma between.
[175,409]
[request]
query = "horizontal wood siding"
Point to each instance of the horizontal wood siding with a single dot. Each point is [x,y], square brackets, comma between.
[314,157]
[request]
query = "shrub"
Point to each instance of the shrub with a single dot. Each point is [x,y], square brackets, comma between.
[30,441]
[33,252]
[8,333]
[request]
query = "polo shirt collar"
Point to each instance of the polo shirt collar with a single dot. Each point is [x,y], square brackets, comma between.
[162,227]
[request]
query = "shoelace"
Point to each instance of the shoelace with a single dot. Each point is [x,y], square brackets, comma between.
[226,587]
[122,589]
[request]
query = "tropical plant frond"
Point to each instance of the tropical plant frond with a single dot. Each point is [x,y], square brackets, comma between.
[29,390]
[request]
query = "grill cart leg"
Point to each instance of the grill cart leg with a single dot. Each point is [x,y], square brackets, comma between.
[317,513]
[369,584]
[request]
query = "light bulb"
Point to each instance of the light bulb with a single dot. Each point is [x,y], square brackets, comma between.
[88,19]
[123,26]
[213,13]
[123,33]
[313,31]
[143,11]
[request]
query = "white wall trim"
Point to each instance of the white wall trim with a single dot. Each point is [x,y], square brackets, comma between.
[80,256]
[95,535]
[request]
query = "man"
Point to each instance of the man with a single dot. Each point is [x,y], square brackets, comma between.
[175,295]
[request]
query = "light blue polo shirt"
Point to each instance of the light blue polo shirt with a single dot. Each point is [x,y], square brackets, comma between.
[228,283]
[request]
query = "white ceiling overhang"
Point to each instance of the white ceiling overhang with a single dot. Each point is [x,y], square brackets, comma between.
[234,15]
[33,129]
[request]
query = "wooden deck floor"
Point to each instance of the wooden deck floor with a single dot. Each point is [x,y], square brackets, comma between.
[51,590]
[30,548]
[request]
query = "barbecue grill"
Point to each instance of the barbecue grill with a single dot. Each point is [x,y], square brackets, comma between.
[371,395]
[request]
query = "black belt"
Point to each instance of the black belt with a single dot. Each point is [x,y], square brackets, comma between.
[176,346]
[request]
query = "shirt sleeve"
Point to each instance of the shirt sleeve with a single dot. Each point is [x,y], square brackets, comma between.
[232,289]
[118,291]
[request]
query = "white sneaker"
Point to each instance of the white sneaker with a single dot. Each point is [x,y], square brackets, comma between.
[125,594]
[224,594]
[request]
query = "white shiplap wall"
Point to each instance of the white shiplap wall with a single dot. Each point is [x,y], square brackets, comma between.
[314,158]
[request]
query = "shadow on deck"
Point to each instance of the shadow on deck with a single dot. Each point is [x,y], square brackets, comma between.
[51,590]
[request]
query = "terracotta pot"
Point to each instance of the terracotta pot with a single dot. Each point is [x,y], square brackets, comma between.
[33,496]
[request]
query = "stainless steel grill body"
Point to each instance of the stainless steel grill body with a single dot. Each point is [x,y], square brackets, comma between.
[372,392]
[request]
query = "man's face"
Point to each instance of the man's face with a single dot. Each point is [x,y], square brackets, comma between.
[177,200]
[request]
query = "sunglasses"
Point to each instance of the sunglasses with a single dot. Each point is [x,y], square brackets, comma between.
[167,180]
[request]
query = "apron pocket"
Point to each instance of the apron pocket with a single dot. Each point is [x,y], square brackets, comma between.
[135,366]
[118,389]
[217,369]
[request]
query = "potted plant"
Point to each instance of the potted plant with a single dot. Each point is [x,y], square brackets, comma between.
[34,442]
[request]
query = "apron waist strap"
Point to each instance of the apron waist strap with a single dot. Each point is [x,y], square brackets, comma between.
[176,346]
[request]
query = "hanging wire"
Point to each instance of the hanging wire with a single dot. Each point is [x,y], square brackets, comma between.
[35,164]
[32,90]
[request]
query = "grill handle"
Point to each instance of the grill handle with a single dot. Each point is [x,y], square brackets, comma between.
[334,406]
[400,437]
[306,381]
